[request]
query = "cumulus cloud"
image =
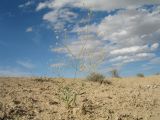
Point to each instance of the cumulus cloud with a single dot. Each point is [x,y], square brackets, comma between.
[100,5]
[41,6]
[154,46]
[130,35]
[133,58]
[130,26]
[59,18]
[29,29]
[85,45]
[132,49]
[26,4]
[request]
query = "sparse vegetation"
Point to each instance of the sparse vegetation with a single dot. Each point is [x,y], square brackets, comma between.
[95,77]
[42,79]
[68,96]
[79,100]
[83,44]
[140,75]
[114,73]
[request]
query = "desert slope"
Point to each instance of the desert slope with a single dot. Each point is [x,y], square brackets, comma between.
[36,99]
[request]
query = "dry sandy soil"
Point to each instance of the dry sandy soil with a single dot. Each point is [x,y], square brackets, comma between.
[67,99]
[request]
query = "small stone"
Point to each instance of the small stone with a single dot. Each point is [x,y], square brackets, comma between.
[1,115]
[53,103]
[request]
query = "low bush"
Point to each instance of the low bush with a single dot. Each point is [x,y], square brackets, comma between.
[140,75]
[96,77]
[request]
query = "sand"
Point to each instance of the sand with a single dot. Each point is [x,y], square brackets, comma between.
[68,99]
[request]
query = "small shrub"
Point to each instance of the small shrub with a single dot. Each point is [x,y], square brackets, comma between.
[42,79]
[96,77]
[140,75]
[114,73]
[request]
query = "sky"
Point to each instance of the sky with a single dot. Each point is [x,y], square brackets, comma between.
[75,37]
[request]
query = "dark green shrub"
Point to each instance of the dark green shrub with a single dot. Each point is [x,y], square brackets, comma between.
[140,75]
[96,77]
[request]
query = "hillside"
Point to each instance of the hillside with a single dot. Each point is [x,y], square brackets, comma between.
[67,99]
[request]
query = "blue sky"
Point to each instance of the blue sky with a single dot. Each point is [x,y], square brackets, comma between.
[45,38]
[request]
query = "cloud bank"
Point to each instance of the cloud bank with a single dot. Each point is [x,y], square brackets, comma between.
[131,34]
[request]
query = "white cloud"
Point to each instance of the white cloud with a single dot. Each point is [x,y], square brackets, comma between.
[58,18]
[26,64]
[41,5]
[154,46]
[26,4]
[86,29]
[29,29]
[57,65]
[129,35]
[155,61]
[130,27]
[132,50]
[102,5]
[119,61]
[86,44]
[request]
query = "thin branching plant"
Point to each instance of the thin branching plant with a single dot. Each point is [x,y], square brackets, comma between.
[68,96]
[114,73]
[85,61]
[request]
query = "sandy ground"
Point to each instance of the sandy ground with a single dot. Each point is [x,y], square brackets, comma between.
[59,99]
